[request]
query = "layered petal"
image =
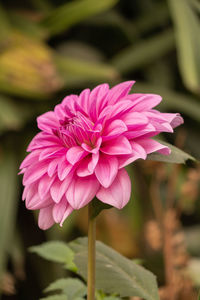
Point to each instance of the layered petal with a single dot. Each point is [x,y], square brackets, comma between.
[119,91]
[106,170]
[47,122]
[81,191]
[45,218]
[59,209]
[88,165]
[144,102]
[118,194]
[137,152]
[114,129]
[153,146]
[74,154]
[118,146]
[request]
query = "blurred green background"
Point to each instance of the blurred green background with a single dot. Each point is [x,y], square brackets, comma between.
[49,49]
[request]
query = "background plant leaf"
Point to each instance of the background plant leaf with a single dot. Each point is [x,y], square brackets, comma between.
[56,251]
[55,297]
[74,12]
[75,71]
[135,56]
[8,205]
[187,29]
[71,287]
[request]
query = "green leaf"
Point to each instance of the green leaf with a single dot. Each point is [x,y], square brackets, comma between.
[56,251]
[187,29]
[4,26]
[111,298]
[12,114]
[115,273]
[177,156]
[8,202]
[195,4]
[71,13]
[56,297]
[98,206]
[42,5]
[138,55]
[72,287]
[75,71]
[23,23]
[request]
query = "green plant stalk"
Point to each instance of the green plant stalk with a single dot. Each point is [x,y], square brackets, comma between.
[91,252]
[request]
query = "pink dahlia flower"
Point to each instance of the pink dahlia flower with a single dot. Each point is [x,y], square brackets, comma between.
[84,145]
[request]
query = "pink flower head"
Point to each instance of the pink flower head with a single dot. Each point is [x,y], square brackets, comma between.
[84,145]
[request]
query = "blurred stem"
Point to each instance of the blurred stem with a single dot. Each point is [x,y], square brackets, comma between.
[91,252]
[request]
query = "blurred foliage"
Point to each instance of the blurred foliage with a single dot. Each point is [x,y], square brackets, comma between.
[49,49]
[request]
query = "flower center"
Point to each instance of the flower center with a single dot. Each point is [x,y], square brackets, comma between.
[76,130]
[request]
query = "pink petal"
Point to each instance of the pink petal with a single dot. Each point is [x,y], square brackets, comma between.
[60,111]
[51,151]
[44,185]
[174,119]
[37,203]
[119,109]
[25,191]
[74,154]
[92,164]
[48,121]
[101,98]
[33,200]
[152,146]
[59,188]
[137,153]
[118,146]
[162,127]
[30,191]
[119,91]
[30,159]
[81,191]
[53,166]
[34,172]
[45,219]
[65,184]
[134,120]
[83,100]
[92,149]
[114,129]
[68,211]
[54,191]
[63,168]
[144,102]
[106,170]
[88,165]
[98,100]
[132,134]
[59,210]
[44,140]
[118,194]
[83,169]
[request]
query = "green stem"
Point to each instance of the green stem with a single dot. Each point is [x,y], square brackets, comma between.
[91,252]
